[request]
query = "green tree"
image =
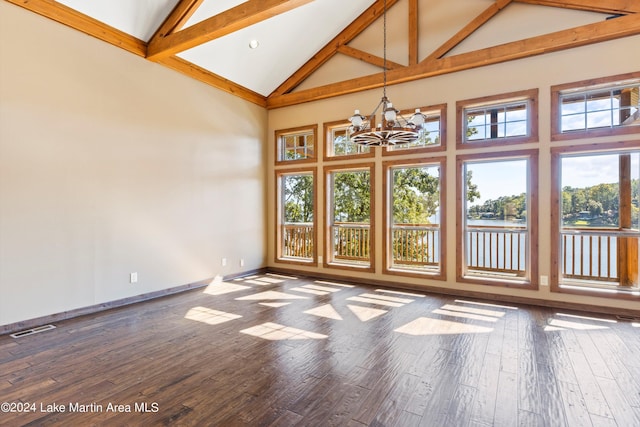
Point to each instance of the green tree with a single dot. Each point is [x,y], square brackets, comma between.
[297,191]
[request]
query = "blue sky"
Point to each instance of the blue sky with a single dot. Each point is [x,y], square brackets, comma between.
[495,179]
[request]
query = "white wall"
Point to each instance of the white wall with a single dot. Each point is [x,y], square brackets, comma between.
[594,61]
[110,164]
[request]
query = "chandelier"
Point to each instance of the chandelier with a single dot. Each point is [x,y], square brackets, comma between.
[393,127]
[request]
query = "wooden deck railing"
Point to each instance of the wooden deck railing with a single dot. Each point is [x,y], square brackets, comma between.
[592,253]
[351,241]
[297,240]
[415,245]
[497,249]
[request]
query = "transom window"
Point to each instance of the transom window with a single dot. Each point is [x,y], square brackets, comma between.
[609,106]
[432,137]
[338,143]
[297,144]
[502,119]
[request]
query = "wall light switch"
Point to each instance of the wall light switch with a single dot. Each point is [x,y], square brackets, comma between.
[544,280]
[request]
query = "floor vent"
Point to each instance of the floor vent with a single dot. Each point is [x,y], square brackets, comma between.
[32,331]
[628,318]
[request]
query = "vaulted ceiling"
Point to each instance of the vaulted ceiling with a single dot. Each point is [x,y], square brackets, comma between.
[315,49]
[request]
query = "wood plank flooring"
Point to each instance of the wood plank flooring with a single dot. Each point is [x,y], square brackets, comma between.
[274,350]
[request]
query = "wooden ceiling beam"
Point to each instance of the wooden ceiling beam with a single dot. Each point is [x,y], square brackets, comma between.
[468,29]
[227,22]
[566,39]
[176,19]
[354,29]
[81,22]
[616,7]
[413,32]
[367,57]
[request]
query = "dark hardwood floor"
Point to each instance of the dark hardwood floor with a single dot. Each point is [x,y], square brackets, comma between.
[275,350]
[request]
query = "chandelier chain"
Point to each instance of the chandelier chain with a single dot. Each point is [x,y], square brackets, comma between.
[384,50]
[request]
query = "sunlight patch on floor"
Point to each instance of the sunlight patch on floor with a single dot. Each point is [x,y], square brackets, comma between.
[409,294]
[308,291]
[282,276]
[209,316]
[274,304]
[597,319]
[486,304]
[366,313]
[635,325]
[276,332]
[324,282]
[565,324]
[223,288]
[472,310]
[269,295]
[326,311]
[387,298]
[423,326]
[375,301]
[322,288]
[465,315]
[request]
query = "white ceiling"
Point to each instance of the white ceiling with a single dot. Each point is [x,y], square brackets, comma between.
[299,33]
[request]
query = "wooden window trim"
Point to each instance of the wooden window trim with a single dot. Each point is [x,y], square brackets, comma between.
[328,246]
[386,215]
[533,157]
[556,191]
[328,144]
[299,129]
[558,135]
[530,95]
[442,111]
[278,235]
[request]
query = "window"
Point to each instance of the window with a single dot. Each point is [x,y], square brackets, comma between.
[296,233]
[596,222]
[502,119]
[498,208]
[601,107]
[414,200]
[432,138]
[296,145]
[350,218]
[338,143]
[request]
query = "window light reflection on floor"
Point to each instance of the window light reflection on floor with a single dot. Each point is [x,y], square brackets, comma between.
[210,316]
[465,315]
[558,324]
[270,295]
[508,307]
[387,298]
[597,319]
[375,301]
[473,310]
[324,282]
[223,288]
[424,326]
[276,332]
[409,294]
[304,290]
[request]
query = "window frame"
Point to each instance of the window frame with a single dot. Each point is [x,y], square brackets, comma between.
[556,219]
[441,110]
[532,265]
[388,167]
[279,258]
[529,96]
[582,86]
[293,131]
[329,154]
[328,261]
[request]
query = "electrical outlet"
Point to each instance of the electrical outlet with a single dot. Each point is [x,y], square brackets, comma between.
[544,280]
[133,278]
[241,262]
[224,262]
